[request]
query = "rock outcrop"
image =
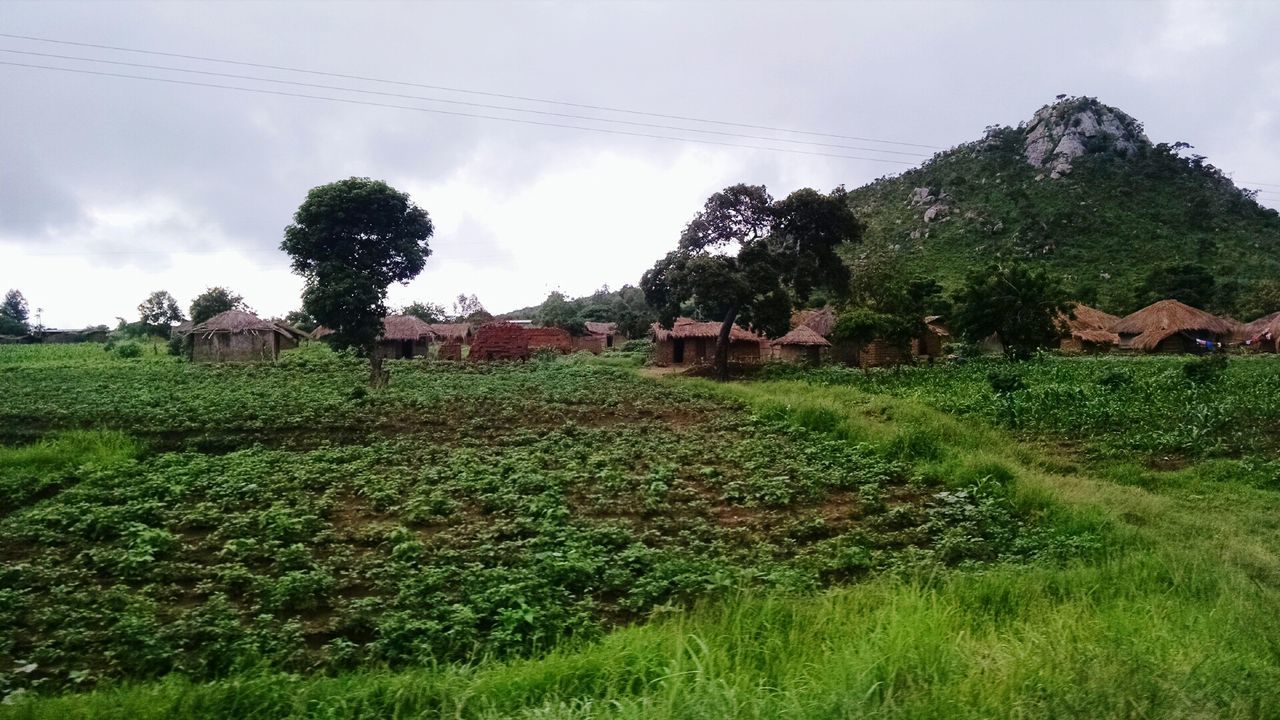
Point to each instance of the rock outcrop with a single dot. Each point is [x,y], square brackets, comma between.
[1062,132]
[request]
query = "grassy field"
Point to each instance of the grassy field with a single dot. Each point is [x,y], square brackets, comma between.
[567,539]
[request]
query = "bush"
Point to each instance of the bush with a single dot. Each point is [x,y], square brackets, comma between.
[1206,369]
[128,350]
[1005,381]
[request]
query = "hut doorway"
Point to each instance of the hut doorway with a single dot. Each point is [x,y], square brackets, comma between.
[677,351]
[406,348]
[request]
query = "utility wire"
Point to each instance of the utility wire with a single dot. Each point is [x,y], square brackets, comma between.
[522,121]
[505,96]
[632,123]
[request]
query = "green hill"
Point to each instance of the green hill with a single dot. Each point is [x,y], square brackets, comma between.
[1081,188]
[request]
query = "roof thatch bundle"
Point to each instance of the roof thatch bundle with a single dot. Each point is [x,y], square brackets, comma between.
[821,320]
[1155,322]
[803,336]
[405,327]
[601,328]
[235,321]
[685,328]
[321,331]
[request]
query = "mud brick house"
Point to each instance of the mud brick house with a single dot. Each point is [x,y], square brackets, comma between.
[690,342]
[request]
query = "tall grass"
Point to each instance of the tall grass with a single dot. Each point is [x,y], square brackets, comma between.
[1173,617]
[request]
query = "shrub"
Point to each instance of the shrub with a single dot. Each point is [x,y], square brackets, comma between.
[129,350]
[1206,369]
[1005,381]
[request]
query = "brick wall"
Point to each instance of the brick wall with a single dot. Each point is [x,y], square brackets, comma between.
[500,341]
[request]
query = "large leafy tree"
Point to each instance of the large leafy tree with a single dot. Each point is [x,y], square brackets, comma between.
[1020,304]
[159,312]
[213,301]
[14,314]
[349,241]
[558,311]
[749,257]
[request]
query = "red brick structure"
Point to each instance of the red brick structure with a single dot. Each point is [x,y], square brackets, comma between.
[450,351]
[548,338]
[500,341]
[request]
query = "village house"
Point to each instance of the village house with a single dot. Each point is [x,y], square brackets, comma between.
[803,345]
[690,342]
[1169,326]
[233,336]
[403,336]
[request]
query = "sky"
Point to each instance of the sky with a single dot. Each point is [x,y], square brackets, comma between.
[112,187]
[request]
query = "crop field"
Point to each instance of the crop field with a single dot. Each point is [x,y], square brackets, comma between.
[566,538]
[157,516]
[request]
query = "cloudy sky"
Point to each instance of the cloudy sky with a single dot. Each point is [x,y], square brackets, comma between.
[111,187]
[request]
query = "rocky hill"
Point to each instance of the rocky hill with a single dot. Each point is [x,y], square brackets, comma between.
[1080,187]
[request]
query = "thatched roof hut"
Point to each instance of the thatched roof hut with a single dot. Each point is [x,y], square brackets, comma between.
[803,336]
[234,336]
[403,336]
[1088,329]
[1171,326]
[802,345]
[690,341]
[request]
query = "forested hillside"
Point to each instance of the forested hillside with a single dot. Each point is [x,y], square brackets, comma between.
[1080,187]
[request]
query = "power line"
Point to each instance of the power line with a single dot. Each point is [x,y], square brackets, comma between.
[462,102]
[363,78]
[349,101]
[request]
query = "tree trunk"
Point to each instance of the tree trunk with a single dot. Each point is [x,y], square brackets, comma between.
[722,344]
[377,376]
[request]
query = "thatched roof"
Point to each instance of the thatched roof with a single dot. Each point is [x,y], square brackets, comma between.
[405,327]
[291,331]
[601,328]
[685,328]
[934,324]
[235,321]
[1263,328]
[821,320]
[182,328]
[1091,325]
[802,335]
[1155,322]
[1253,328]
[1090,318]
[454,332]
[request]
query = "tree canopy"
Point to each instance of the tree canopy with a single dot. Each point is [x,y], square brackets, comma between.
[349,241]
[159,312]
[14,314]
[213,301]
[558,311]
[1020,304]
[746,256]
[426,312]
[1186,282]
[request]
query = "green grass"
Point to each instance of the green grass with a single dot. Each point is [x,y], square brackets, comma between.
[1153,595]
